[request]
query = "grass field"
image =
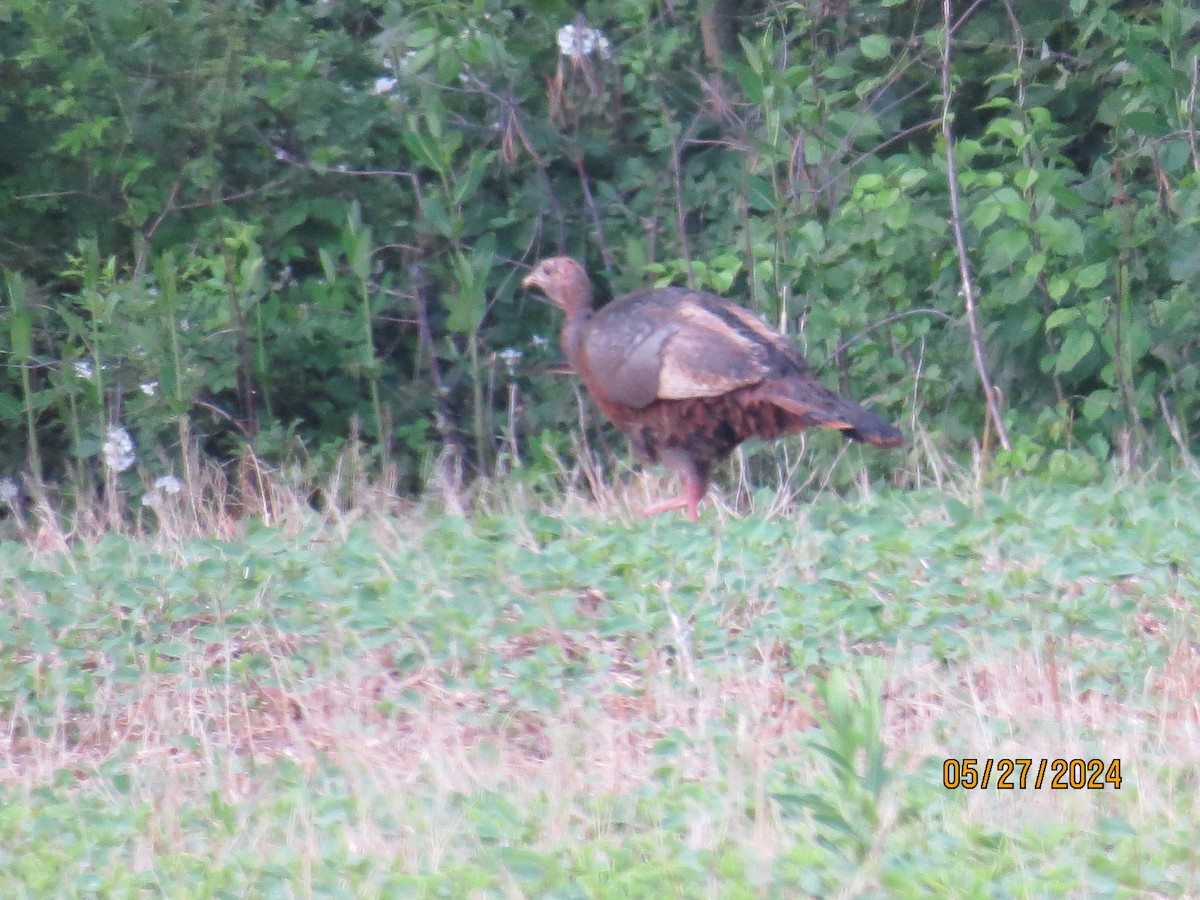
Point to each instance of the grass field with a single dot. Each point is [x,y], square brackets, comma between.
[582,704]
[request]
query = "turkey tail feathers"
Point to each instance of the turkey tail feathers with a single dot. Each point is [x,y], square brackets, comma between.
[817,406]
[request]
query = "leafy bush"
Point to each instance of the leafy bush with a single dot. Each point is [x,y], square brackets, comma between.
[302,222]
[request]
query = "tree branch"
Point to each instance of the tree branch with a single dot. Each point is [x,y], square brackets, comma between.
[960,243]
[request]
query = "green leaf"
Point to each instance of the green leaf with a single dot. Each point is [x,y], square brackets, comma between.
[985,214]
[959,512]
[22,335]
[810,238]
[1090,276]
[1185,261]
[435,217]
[753,56]
[1005,245]
[1075,347]
[868,183]
[1012,129]
[21,327]
[1151,64]
[1025,179]
[1097,403]
[425,150]
[10,406]
[875,46]
[1060,236]
[1061,317]
[751,82]
[478,166]
[468,304]
[759,194]
[328,265]
[1147,124]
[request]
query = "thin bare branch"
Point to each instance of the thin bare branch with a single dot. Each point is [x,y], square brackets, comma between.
[442,416]
[594,211]
[681,210]
[1191,117]
[960,243]
[923,311]
[1177,436]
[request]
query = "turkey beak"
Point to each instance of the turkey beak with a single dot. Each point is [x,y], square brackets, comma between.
[534,280]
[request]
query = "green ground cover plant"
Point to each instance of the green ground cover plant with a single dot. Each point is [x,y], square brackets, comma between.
[538,701]
[284,226]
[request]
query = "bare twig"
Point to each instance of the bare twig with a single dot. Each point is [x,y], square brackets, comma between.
[224,416]
[960,243]
[1177,435]
[44,195]
[888,320]
[1191,118]
[419,281]
[680,208]
[594,212]
[167,209]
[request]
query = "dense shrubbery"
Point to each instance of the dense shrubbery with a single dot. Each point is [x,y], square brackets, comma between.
[274,223]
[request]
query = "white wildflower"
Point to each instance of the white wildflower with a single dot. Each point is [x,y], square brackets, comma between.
[383,85]
[510,356]
[408,58]
[149,388]
[578,41]
[8,490]
[539,341]
[286,277]
[168,484]
[83,368]
[118,449]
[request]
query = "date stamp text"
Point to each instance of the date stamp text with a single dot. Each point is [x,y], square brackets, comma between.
[1021,774]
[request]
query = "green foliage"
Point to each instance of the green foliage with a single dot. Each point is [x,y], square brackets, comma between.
[553,704]
[305,221]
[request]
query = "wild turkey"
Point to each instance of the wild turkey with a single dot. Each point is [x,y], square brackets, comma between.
[688,376]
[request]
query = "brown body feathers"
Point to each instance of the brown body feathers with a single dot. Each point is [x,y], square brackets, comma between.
[688,375]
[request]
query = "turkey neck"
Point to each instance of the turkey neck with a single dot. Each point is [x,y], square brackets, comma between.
[573,331]
[576,301]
